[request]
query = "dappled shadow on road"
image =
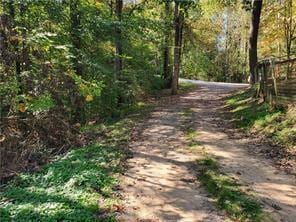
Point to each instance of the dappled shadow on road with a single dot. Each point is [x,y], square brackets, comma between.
[275,189]
[160,185]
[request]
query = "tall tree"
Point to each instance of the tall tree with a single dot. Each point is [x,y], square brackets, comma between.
[118,37]
[11,8]
[253,39]
[178,23]
[289,31]
[167,76]
[75,32]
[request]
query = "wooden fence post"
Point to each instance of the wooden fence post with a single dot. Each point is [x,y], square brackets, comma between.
[264,80]
[272,87]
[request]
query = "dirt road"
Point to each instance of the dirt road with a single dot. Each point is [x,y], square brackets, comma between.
[160,184]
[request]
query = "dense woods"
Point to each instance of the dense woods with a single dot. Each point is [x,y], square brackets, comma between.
[79,56]
[66,65]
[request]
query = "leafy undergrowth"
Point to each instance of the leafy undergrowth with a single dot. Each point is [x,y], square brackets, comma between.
[252,115]
[77,186]
[230,197]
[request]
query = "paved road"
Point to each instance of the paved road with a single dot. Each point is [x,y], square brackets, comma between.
[215,84]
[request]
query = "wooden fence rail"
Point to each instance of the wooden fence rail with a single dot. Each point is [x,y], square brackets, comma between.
[277,80]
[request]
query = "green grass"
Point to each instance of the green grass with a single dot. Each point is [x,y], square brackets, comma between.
[134,109]
[252,115]
[230,197]
[183,88]
[191,140]
[191,134]
[69,188]
[186,87]
[246,110]
[186,113]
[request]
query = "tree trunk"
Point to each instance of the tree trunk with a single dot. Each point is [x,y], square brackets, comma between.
[289,32]
[75,35]
[227,41]
[118,38]
[167,76]
[278,21]
[25,60]
[11,12]
[253,40]
[179,18]
[111,7]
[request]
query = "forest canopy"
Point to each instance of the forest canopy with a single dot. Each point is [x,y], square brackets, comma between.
[78,56]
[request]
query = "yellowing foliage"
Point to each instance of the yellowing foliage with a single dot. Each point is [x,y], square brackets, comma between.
[22,107]
[89,98]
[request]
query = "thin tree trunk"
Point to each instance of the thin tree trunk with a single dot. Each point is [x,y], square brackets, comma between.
[166,51]
[75,35]
[289,32]
[278,20]
[111,7]
[118,38]
[25,60]
[179,19]
[181,15]
[227,41]
[11,11]
[253,40]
